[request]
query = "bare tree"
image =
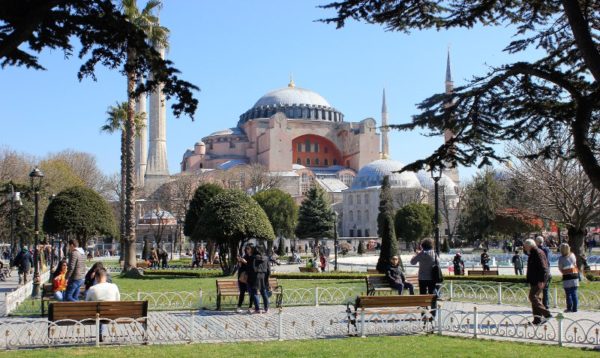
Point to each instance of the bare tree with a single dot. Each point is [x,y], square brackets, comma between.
[14,166]
[556,189]
[84,165]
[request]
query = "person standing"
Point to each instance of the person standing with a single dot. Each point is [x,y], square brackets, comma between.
[567,264]
[517,262]
[396,277]
[536,277]
[75,271]
[459,264]
[485,260]
[244,264]
[24,262]
[539,241]
[259,278]
[426,258]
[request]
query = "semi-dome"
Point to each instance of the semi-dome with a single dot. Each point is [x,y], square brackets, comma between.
[371,175]
[295,103]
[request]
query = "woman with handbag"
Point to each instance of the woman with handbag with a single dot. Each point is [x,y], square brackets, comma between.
[567,264]
[244,263]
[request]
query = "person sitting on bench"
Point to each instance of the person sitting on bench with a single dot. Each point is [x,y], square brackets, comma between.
[59,281]
[103,290]
[396,278]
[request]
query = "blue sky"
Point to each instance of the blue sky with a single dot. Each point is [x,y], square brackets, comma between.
[236,51]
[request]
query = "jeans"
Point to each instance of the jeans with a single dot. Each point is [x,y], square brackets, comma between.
[265,297]
[72,292]
[400,286]
[428,287]
[519,271]
[572,300]
[545,295]
[243,289]
[59,295]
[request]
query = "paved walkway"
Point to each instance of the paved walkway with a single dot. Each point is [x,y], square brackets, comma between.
[498,322]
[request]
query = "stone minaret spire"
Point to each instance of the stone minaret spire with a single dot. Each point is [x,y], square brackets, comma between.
[385,147]
[141,142]
[157,166]
[448,134]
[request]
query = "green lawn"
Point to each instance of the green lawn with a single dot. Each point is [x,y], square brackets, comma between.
[405,346]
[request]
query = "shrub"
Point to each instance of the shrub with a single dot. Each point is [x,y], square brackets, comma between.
[507,279]
[184,273]
[322,276]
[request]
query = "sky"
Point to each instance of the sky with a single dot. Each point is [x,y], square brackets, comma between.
[236,51]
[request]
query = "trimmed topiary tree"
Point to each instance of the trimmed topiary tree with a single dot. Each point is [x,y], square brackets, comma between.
[282,212]
[385,226]
[231,218]
[361,248]
[79,212]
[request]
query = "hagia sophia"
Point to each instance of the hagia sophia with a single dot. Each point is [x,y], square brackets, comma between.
[296,135]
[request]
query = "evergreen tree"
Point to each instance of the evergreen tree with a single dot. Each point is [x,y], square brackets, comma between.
[385,226]
[281,210]
[414,222]
[202,196]
[315,217]
[482,200]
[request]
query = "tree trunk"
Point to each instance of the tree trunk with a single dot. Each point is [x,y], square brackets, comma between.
[576,242]
[131,261]
[122,227]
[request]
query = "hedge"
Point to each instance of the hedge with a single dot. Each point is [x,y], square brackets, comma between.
[322,276]
[506,279]
[184,273]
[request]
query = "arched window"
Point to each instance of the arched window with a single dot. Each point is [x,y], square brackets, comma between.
[358,201]
[307,161]
[334,161]
[299,147]
[359,233]
[299,161]
[367,216]
[307,145]
[351,215]
[366,198]
[350,199]
[358,216]
[316,147]
[316,161]
[326,162]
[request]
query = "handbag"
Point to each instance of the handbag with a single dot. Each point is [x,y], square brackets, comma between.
[243,277]
[436,272]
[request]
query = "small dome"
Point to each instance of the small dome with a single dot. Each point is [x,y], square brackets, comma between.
[155,215]
[371,175]
[226,132]
[427,182]
[292,95]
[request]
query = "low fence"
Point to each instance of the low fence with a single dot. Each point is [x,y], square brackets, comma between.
[499,293]
[13,299]
[292,323]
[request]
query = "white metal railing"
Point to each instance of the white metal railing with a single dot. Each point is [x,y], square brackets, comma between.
[14,298]
[289,324]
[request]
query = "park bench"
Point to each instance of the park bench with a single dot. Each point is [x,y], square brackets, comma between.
[89,312]
[211,266]
[482,273]
[48,295]
[386,305]
[593,272]
[308,269]
[381,284]
[229,287]
[372,271]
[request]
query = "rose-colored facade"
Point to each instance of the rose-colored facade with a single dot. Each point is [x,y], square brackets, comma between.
[288,128]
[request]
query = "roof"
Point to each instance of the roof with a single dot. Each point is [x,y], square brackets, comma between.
[231,163]
[332,185]
[371,175]
[290,96]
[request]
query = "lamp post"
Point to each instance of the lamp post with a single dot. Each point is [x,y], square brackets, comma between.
[436,175]
[14,198]
[335,241]
[180,234]
[36,177]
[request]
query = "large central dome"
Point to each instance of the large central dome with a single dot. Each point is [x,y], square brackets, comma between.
[290,96]
[295,103]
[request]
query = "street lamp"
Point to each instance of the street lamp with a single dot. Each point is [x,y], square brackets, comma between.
[36,177]
[335,240]
[179,234]
[436,175]
[14,198]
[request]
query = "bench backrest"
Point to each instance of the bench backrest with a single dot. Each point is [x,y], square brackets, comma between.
[372,271]
[482,273]
[395,301]
[381,281]
[88,310]
[231,285]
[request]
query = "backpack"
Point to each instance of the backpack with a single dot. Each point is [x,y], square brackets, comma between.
[436,271]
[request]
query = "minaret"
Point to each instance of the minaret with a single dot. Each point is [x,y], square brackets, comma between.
[141,142]
[448,134]
[157,169]
[385,147]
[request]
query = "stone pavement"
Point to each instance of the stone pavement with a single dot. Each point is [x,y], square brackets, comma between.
[497,322]
[11,283]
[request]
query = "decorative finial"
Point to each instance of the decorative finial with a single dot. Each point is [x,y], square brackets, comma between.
[448,73]
[291,84]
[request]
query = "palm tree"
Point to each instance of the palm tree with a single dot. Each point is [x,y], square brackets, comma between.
[157,35]
[117,118]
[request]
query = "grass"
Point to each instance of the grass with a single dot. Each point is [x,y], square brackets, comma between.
[403,346]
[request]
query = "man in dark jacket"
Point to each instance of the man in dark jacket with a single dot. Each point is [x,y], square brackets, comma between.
[539,241]
[537,269]
[396,278]
[23,261]
[75,271]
